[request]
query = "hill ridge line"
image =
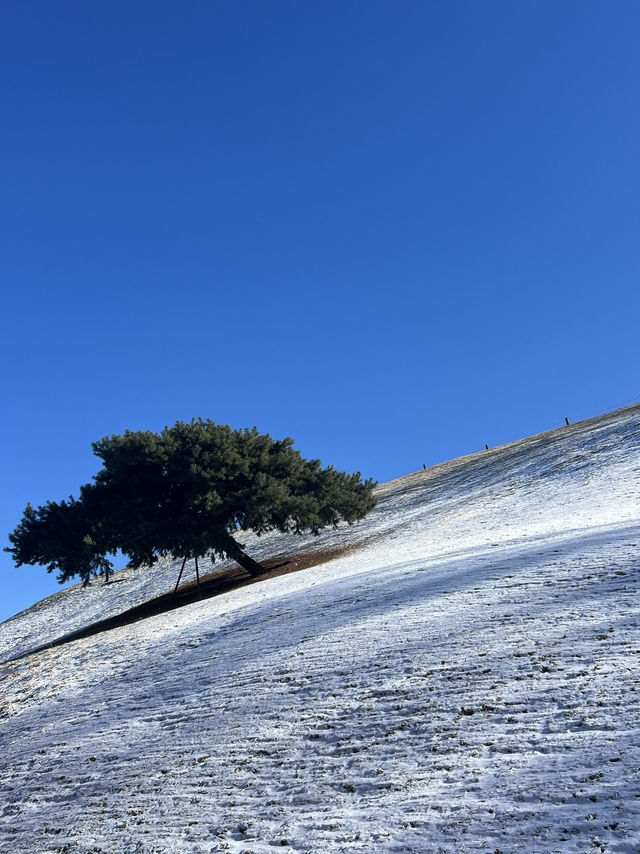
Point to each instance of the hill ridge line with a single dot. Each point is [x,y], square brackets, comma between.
[485,454]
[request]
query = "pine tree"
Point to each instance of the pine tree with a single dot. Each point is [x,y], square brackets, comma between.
[188,492]
[61,536]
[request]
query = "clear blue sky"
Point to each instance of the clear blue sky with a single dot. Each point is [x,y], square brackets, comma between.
[395,231]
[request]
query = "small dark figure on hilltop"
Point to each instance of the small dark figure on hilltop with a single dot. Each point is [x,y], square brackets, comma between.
[566,421]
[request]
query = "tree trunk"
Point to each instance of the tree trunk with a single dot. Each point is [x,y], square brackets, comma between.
[234,551]
[198,578]
[180,576]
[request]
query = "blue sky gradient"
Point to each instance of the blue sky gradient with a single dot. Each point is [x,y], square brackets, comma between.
[393,231]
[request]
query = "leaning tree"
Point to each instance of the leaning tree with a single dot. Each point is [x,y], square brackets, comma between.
[188,492]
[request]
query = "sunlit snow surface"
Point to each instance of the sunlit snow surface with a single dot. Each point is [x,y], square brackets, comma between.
[466,679]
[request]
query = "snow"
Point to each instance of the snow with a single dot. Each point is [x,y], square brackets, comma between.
[464,679]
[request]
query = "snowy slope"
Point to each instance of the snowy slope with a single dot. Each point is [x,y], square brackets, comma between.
[465,679]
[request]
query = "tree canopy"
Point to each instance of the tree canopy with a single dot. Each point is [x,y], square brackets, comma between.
[185,492]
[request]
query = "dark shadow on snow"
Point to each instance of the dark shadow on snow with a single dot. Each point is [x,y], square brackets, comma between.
[211,585]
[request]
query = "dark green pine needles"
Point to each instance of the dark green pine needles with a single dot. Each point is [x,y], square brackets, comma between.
[186,492]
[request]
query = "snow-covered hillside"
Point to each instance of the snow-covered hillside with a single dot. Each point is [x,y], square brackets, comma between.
[464,678]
